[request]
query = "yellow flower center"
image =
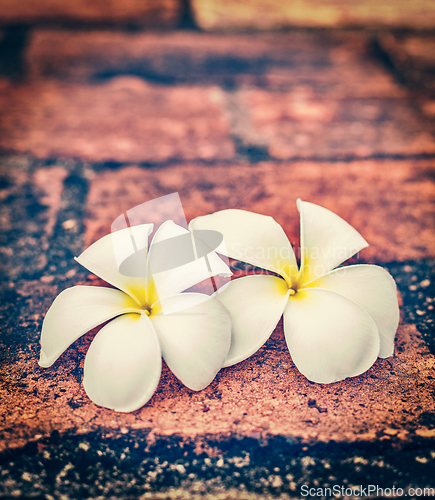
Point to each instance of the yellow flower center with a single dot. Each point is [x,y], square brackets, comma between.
[146,296]
[293,282]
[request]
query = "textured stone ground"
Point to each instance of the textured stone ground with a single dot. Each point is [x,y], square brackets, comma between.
[95,122]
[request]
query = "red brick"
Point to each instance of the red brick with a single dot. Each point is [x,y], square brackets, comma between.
[413,56]
[390,203]
[327,96]
[338,62]
[150,13]
[122,120]
[48,183]
[261,397]
[268,14]
[29,205]
[305,123]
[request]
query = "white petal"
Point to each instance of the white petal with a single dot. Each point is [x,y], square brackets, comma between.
[373,289]
[196,339]
[173,245]
[253,238]
[74,312]
[123,364]
[329,336]
[256,304]
[326,241]
[104,257]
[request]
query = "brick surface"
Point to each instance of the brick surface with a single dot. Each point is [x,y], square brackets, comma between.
[390,203]
[293,95]
[341,63]
[267,14]
[305,123]
[122,120]
[260,397]
[220,116]
[413,57]
[149,13]
[264,396]
[29,205]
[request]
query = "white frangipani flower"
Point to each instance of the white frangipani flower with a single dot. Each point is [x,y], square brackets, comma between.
[336,321]
[152,318]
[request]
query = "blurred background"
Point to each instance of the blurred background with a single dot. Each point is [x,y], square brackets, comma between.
[249,104]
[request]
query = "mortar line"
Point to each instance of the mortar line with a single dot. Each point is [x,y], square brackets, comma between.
[231,162]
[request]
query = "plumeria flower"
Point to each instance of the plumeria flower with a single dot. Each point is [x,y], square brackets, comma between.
[337,321]
[150,317]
